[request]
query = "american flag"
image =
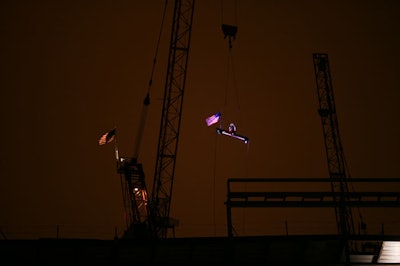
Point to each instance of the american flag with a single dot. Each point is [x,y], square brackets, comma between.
[107,137]
[213,119]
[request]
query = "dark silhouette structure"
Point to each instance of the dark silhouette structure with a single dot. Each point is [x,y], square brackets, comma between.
[148,215]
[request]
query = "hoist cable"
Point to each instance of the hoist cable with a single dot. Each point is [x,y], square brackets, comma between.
[235,87]
[214,184]
[229,32]
[146,101]
[157,47]
[226,89]
[235,12]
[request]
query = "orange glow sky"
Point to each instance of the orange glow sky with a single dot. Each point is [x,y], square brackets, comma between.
[72,70]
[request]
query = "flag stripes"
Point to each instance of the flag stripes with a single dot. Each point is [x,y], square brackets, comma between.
[213,119]
[107,137]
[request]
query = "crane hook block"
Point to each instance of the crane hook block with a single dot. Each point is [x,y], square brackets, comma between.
[232,134]
[230,32]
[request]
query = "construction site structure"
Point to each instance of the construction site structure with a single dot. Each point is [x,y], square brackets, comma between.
[148,216]
[373,248]
[342,199]
[334,149]
[333,145]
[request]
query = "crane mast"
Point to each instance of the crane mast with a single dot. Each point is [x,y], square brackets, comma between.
[147,217]
[171,117]
[333,145]
[135,198]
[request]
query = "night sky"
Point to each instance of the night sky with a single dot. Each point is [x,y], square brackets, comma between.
[73,70]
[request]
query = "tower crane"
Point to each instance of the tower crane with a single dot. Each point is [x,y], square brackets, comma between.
[171,116]
[149,216]
[333,145]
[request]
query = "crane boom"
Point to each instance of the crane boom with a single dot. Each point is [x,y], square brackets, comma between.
[171,117]
[333,145]
[147,218]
